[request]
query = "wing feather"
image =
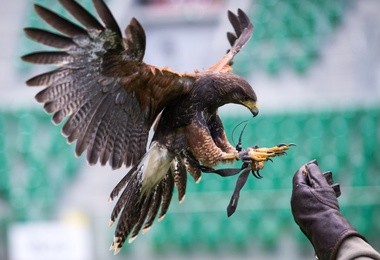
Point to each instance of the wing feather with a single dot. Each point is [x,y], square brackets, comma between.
[95,130]
[231,38]
[106,16]
[58,22]
[79,13]
[90,124]
[49,94]
[243,31]
[49,38]
[120,144]
[108,149]
[110,96]
[48,57]
[235,21]
[79,121]
[69,100]
[67,85]
[48,78]
[135,40]
[97,145]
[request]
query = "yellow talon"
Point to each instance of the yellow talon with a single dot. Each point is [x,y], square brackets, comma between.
[263,154]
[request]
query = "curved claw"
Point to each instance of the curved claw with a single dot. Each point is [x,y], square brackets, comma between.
[247,159]
[257,174]
[283,144]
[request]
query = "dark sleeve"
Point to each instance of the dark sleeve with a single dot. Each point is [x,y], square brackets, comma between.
[356,248]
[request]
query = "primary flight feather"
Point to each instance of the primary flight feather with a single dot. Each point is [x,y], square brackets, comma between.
[111,99]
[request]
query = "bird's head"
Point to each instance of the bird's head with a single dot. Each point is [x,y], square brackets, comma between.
[218,89]
[239,91]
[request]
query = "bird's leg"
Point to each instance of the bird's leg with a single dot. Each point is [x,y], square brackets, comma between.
[230,156]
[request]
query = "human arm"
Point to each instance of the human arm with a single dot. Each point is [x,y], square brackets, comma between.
[356,248]
[316,210]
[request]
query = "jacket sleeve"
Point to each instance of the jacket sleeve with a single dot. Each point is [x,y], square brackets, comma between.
[356,248]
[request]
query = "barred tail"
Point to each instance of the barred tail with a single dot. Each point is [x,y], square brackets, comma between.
[147,190]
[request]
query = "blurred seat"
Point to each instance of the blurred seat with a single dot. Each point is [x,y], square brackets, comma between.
[288,34]
[36,163]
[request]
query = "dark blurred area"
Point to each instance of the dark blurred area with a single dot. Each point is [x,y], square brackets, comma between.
[315,66]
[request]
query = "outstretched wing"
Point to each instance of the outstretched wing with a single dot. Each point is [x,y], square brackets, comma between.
[243,31]
[109,94]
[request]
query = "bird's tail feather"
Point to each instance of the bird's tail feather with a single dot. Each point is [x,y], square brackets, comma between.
[137,207]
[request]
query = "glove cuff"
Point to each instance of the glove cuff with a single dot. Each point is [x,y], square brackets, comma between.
[327,231]
[329,248]
[344,235]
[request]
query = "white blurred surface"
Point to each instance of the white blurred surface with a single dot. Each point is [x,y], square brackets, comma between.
[50,240]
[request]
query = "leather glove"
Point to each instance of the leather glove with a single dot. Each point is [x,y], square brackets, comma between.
[316,211]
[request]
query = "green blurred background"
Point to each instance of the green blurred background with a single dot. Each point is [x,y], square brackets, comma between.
[316,68]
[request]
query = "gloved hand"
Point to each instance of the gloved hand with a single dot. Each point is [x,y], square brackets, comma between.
[316,211]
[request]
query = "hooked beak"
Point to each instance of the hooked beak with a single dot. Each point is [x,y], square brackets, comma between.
[252,106]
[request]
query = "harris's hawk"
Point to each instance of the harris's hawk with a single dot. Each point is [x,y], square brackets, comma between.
[111,99]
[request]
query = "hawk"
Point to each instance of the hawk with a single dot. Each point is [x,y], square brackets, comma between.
[111,99]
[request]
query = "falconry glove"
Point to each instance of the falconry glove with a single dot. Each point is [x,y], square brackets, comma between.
[316,211]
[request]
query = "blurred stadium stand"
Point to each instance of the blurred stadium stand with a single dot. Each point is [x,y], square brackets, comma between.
[316,68]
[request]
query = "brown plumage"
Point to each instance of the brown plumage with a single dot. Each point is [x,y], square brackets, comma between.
[112,98]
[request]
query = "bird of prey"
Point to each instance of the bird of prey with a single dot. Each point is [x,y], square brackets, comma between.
[111,99]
